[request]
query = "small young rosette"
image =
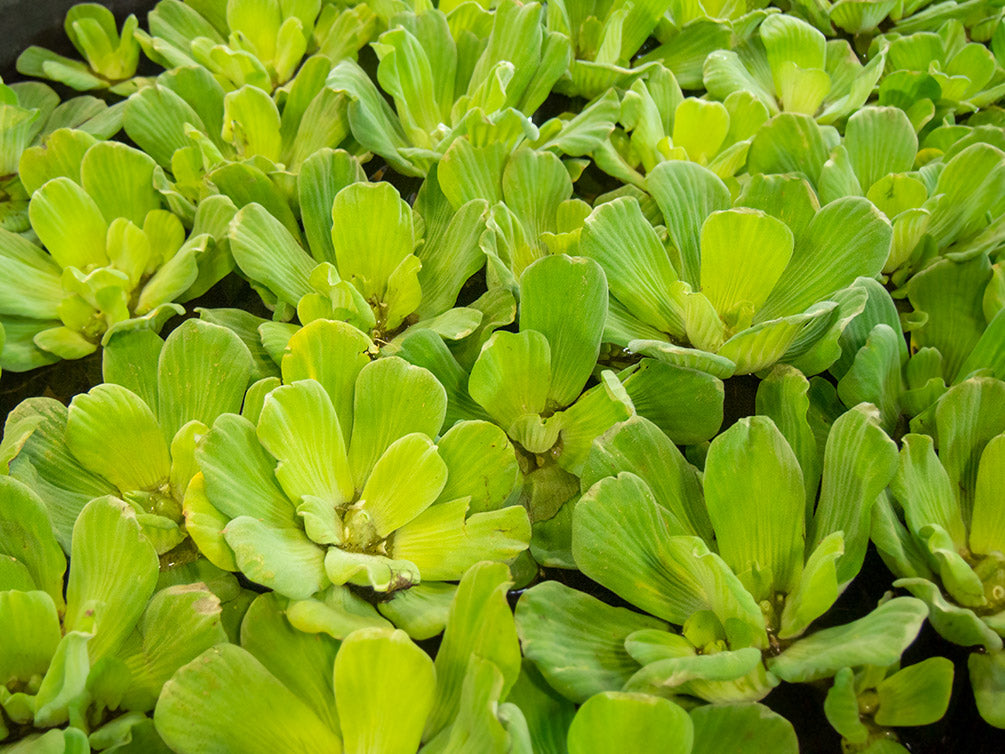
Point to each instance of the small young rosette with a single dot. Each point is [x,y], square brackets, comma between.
[658,123]
[941,193]
[110,56]
[89,667]
[256,42]
[466,71]
[790,66]
[336,477]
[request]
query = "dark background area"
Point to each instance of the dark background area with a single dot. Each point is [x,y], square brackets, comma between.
[40,22]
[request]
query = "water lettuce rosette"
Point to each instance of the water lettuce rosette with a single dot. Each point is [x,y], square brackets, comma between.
[339,696]
[134,436]
[942,532]
[112,257]
[87,669]
[340,476]
[740,286]
[678,547]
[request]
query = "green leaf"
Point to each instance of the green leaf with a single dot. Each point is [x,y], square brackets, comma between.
[268,254]
[114,433]
[239,473]
[876,375]
[24,261]
[987,524]
[622,540]
[611,721]
[924,490]
[547,714]
[967,417]
[859,462]
[225,699]
[404,482]
[817,589]
[443,544]
[46,464]
[686,404]
[298,426]
[571,323]
[120,181]
[987,676]
[392,399]
[789,143]
[959,625]
[113,575]
[576,641]
[333,353]
[727,728]
[877,639]
[205,525]
[637,266]
[26,537]
[783,396]
[130,359]
[687,194]
[62,691]
[371,235]
[69,223]
[482,465]
[848,238]
[370,570]
[880,141]
[743,254]
[512,376]
[31,632]
[756,501]
[637,446]
[321,177]
[945,291]
[841,708]
[377,669]
[916,695]
[283,559]
[421,610]
[203,372]
[480,626]
[251,122]
[450,258]
[179,623]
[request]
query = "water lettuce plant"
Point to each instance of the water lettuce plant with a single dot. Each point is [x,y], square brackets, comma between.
[88,668]
[338,697]
[943,537]
[134,436]
[340,476]
[791,67]
[29,112]
[110,55]
[258,43]
[112,257]
[743,607]
[743,287]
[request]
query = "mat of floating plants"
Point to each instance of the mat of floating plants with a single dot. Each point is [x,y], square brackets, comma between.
[477,376]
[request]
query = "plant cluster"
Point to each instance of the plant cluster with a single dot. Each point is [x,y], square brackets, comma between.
[467,468]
